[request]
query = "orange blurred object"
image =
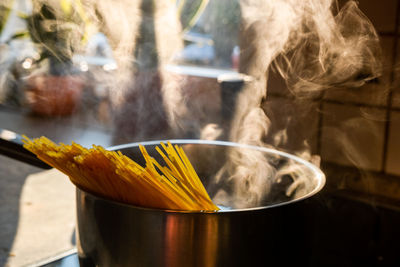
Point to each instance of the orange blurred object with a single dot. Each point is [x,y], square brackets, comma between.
[54,95]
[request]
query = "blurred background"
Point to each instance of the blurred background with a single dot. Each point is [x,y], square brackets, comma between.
[63,68]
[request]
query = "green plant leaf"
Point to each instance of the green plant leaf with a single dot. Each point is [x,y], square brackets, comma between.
[5,9]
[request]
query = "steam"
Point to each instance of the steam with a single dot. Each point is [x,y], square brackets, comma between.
[341,50]
[148,101]
[313,49]
[312,44]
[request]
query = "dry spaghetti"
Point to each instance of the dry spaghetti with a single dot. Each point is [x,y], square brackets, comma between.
[113,175]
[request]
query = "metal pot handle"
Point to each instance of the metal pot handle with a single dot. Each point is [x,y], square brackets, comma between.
[11,145]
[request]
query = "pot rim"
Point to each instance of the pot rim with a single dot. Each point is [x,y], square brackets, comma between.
[320,176]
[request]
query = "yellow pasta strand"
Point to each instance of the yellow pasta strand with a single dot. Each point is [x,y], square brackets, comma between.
[113,175]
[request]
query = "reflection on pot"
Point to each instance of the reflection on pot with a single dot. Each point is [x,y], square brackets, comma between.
[196,234]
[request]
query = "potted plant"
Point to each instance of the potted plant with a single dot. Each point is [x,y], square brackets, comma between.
[14,46]
[59,30]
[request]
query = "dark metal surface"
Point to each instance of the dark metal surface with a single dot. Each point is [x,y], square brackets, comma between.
[11,146]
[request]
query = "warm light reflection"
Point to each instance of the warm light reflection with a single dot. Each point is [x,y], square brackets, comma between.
[27,63]
[84,66]
[189,238]
[7,135]
[110,66]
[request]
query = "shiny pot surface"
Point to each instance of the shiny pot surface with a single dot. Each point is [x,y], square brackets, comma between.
[117,234]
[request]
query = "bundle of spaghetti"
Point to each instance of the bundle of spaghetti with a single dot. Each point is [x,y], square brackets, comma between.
[112,175]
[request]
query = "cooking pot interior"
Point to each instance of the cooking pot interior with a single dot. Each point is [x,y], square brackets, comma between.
[284,177]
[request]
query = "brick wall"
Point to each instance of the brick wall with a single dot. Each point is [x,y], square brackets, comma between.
[350,127]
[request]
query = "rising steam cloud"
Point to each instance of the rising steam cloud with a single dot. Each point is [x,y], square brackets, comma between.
[314,47]
[312,44]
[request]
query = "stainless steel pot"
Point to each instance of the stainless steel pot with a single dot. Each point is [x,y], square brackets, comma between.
[116,234]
